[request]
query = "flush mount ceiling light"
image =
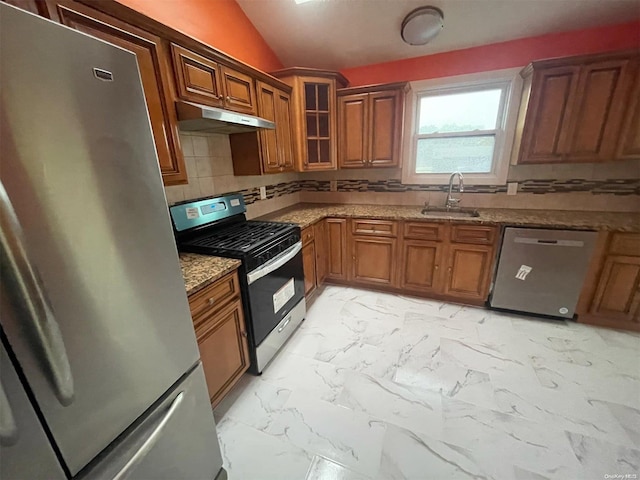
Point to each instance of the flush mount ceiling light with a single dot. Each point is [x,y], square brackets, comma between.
[422,25]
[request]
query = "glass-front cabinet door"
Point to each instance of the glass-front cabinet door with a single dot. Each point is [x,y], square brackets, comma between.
[314,116]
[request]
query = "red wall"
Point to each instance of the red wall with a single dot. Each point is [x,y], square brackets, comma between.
[219,23]
[509,54]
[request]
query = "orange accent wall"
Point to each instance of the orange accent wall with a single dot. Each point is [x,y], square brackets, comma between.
[496,56]
[219,23]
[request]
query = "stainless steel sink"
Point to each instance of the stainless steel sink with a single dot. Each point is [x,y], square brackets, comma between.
[449,212]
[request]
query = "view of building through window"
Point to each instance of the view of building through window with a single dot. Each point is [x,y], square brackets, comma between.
[457,131]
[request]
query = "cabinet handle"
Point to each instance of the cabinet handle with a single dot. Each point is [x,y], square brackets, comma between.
[244,334]
[436,267]
[211,301]
[220,97]
[228,98]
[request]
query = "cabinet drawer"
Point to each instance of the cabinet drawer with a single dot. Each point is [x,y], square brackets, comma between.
[307,235]
[625,244]
[379,228]
[473,234]
[424,231]
[214,297]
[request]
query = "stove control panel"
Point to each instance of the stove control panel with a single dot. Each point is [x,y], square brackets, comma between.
[187,215]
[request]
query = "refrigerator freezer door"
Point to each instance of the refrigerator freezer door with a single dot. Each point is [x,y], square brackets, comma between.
[22,439]
[176,441]
[91,235]
[542,271]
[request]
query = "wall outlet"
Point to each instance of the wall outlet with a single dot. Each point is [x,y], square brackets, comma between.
[263,193]
[333,185]
[512,188]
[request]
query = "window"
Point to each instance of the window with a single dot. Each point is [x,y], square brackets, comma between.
[461,127]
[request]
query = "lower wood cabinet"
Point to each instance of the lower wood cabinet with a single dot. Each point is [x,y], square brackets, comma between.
[336,244]
[420,266]
[611,295]
[320,236]
[309,264]
[373,260]
[222,336]
[618,293]
[469,269]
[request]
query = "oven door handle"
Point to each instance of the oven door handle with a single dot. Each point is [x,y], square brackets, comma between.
[274,263]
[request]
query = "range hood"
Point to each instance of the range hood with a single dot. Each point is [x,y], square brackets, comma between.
[193,117]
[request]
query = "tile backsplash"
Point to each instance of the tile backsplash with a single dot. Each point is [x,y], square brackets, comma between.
[607,186]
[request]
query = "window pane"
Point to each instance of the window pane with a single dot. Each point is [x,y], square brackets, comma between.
[459,112]
[323,98]
[310,96]
[462,154]
[312,125]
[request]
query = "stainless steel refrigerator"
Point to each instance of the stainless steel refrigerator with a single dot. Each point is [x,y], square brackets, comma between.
[100,371]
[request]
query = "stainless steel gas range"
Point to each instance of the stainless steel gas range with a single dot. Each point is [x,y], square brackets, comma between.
[271,275]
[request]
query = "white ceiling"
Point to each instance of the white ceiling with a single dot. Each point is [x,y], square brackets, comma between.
[335,34]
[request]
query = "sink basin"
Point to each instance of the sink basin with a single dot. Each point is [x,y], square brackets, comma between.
[452,212]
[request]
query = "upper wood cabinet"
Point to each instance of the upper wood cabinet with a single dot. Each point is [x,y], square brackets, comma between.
[370,121]
[314,116]
[629,143]
[155,72]
[266,151]
[573,108]
[205,81]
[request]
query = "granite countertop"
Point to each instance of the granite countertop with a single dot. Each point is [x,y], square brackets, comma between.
[198,271]
[305,214]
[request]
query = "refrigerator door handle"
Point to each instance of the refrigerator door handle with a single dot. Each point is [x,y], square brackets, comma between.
[8,428]
[24,287]
[151,440]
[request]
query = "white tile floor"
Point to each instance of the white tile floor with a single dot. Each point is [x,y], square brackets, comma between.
[378,386]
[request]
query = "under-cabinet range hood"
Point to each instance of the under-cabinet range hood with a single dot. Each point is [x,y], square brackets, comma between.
[193,117]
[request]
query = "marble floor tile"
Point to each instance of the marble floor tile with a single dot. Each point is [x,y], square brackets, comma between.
[249,454]
[600,458]
[384,386]
[405,406]
[407,455]
[501,441]
[294,372]
[348,437]
[323,469]
[253,402]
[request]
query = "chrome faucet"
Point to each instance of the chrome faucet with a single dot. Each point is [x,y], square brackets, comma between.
[451,201]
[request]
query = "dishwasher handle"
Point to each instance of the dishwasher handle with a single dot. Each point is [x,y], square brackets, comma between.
[549,242]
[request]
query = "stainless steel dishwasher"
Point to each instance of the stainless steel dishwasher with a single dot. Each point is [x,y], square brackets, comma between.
[542,271]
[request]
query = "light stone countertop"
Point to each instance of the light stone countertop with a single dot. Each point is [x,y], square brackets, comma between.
[199,271]
[305,214]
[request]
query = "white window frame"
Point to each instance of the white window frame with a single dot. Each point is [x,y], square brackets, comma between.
[509,80]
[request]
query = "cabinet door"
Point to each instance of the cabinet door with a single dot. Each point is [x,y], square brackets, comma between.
[629,143]
[468,271]
[155,74]
[546,126]
[309,264]
[421,266]
[268,138]
[617,296]
[319,124]
[353,149]
[224,352]
[283,131]
[239,91]
[385,128]
[320,238]
[34,6]
[336,236]
[197,77]
[598,110]
[373,260]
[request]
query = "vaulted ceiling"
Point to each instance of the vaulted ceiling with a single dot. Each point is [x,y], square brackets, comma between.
[336,34]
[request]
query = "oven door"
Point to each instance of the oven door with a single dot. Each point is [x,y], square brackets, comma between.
[275,288]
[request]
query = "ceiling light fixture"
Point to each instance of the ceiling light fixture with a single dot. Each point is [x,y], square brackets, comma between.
[302,1]
[422,25]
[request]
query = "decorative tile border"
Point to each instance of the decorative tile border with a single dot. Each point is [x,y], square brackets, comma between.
[596,187]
